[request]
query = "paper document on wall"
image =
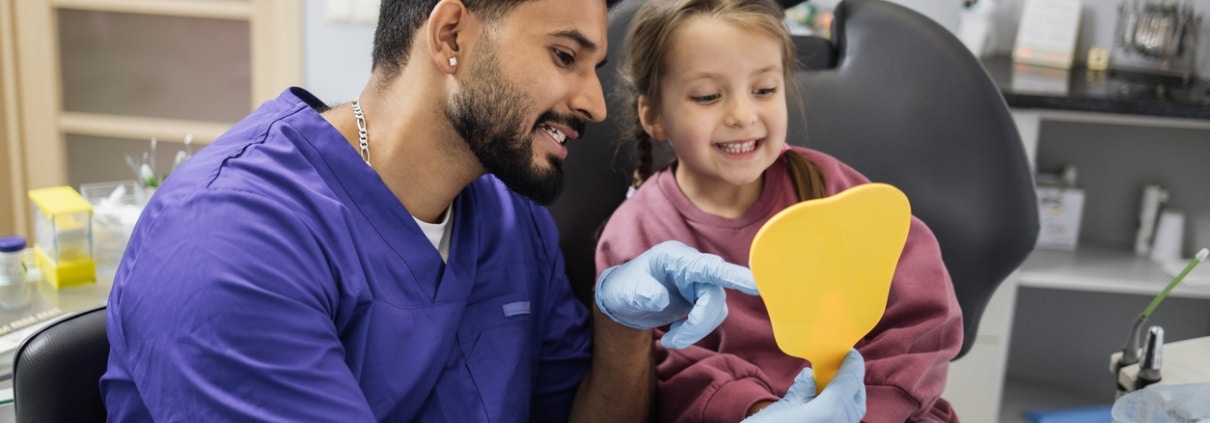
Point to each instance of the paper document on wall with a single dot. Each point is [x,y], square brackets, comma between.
[1047,33]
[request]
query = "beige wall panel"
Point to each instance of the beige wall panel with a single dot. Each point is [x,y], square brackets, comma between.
[38,70]
[12,170]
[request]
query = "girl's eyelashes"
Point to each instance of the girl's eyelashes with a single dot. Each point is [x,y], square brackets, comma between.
[563,57]
[761,92]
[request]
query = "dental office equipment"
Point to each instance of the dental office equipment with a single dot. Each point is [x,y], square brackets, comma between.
[1164,404]
[144,171]
[147,173]
[14,289]
[1154,199]
[184,154]
[63,236]
[12,267]
[1149,371]
[116,206]
[1132,351]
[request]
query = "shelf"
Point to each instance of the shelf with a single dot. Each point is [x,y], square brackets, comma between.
[191,8]
[1134,97]
[141,128]
[1119,118]
[1101,269]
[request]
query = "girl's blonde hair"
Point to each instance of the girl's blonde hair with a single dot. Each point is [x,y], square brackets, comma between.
[647,42]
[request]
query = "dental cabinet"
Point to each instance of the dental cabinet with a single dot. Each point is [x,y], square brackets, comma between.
[1044,341]
[99,80]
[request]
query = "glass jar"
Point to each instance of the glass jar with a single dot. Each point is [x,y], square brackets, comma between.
[15,291]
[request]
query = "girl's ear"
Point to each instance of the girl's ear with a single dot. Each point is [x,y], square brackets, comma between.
[649,117]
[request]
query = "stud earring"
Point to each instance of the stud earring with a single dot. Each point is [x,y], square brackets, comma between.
[453,61]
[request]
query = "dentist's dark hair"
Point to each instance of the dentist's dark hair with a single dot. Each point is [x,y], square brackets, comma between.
[398,21]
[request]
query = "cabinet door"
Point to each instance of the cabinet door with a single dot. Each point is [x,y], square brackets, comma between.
[100,78]
[12,213]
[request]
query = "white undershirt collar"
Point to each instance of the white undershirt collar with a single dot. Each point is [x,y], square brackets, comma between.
[439,233]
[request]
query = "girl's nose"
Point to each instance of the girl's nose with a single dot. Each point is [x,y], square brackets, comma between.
[740,114]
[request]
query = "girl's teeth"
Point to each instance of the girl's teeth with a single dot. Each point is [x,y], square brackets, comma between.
[738,148]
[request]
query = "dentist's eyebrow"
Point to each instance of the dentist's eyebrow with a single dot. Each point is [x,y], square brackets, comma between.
[579,38]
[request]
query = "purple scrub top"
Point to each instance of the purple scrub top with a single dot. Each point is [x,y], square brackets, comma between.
[274,277]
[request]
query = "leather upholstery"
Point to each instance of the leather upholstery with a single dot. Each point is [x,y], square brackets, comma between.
[57,371]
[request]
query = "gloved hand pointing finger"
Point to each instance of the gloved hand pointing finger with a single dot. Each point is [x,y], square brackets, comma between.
[668,283]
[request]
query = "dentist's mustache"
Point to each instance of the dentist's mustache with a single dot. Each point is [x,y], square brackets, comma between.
[570,121]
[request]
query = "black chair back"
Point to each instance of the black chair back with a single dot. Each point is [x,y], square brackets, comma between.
[57,371]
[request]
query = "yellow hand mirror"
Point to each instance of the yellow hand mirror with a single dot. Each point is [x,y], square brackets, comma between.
[824,270]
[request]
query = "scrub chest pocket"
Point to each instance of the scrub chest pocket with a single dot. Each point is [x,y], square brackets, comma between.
[499,355]
[495,347]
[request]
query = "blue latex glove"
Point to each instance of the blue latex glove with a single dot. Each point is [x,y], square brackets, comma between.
[843,400]
[672,283]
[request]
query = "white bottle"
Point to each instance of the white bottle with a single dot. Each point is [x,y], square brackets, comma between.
[1169,237]
[977,26]
[1154,198]
[15,291]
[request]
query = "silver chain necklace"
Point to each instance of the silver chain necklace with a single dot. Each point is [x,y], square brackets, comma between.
[361,132]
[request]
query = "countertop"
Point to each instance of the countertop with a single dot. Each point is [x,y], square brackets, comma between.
[1112,91]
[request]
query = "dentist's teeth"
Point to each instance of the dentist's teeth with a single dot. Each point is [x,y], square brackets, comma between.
[738,148]
[559,135]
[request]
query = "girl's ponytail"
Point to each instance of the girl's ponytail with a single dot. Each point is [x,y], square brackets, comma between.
[807,178]
[643,156]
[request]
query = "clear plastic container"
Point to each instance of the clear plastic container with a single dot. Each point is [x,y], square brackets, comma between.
[63,236]
[116,207]
[15,290]
[1183,403]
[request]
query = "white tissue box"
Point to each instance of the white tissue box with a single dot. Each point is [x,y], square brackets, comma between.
[1059,212]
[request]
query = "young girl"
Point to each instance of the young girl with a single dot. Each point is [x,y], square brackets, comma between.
[710,77]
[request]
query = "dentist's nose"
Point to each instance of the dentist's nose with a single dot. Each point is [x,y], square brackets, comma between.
[589,101]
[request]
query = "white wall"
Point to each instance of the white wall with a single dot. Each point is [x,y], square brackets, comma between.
[336,55]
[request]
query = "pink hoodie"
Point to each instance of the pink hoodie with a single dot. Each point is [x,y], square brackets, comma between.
[907,354]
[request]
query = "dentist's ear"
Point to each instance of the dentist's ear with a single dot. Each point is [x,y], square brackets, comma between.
[649,117]
[446,34]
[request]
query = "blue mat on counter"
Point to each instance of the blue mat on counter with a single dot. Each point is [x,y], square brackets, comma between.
[1092,414]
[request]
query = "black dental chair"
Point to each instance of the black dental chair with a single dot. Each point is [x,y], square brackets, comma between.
[57,371]
[892,94]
